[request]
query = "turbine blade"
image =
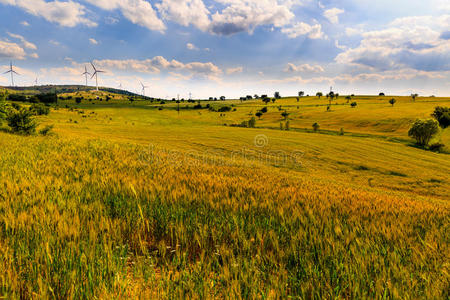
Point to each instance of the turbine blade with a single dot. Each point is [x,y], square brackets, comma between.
[93,66]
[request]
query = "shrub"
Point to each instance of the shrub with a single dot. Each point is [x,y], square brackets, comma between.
[39,109]
[224,109]
[442,115]
[48,98]
[288,126]
[252,122]
[285,115]
[22,121]
[46,130]
[17,98]
[353,104]
[78,100]
[281,126]
[3,108]
[341,132]
[437,147]
[392,101]
[423,131]
[259,114]
[315,127]
[264,110]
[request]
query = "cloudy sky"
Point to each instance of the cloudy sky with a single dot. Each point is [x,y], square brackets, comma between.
[232,47]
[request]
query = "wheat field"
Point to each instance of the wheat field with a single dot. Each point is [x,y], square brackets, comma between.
[126,200]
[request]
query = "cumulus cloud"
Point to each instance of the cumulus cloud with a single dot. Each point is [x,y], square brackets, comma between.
[68,14]
[246,15]
[333,14]
[158,64]
[10,50]
[185,12]
[304,29]
[24,42]
[307,68]
[24,23]
[235,70]
[138,12]
[191,46]
[412,42]
[93,41]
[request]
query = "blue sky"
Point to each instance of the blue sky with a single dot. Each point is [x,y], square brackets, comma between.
[232,47]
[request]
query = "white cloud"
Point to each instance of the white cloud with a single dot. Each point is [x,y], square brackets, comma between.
[158,64]
[191,46]
[34,55]
[307,68]
[67,14]
[93,41]
[138,12]
[25,23]
[10,50]
[246,15]
[333,14]
[235,70]
[412,42]
[352,31]
[24,42]
[301,29]
[185,12]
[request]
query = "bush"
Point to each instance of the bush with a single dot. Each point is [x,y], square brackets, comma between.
[47,98]
[46,130]
[224,109]
[423,131]
[252,122]
[3,108]
[22,121]
[17,98]
[442,115]
[288,126]
[264,110]
[437,147]
[341,132]
[78,100]
[39,109]
[392,101]
[354,104]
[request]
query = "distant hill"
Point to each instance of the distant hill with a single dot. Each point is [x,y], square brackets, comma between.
[61,89]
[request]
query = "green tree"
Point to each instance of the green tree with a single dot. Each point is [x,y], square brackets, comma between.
[285,115]
[442,115]
[319,94]
[392,102]
[259,114]
[21,121]
[423,131]
[354,104]
[315,127]
[3,107]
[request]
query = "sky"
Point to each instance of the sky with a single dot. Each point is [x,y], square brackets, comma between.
[233,48]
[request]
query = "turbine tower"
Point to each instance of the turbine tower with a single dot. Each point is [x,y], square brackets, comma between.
[86,73]
[96,75]
[11,70]
[143,89]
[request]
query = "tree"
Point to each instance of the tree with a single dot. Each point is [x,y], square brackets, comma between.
[336,95]
[301,93]
[264,110]
[277,95]
[222,98]
[392,102]
[315,127]
[423,131]
[256,96]
[288,125]
[21,121]
[354,104]
[285,114]
[319,94]
[266,100]
[381,94]
[414,96]
[442,115]
[259,114]
[348,98]
[3,107]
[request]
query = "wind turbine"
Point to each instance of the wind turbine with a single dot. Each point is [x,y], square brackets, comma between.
[36,82]
[96,75]
[86,73]
[143,88]
[11,70]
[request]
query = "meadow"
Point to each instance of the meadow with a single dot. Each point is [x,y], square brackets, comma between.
[148,200]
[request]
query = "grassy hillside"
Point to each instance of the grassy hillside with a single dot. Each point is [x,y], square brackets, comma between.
[127,200]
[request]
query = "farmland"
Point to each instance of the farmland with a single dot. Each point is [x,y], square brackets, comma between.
[143,199]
